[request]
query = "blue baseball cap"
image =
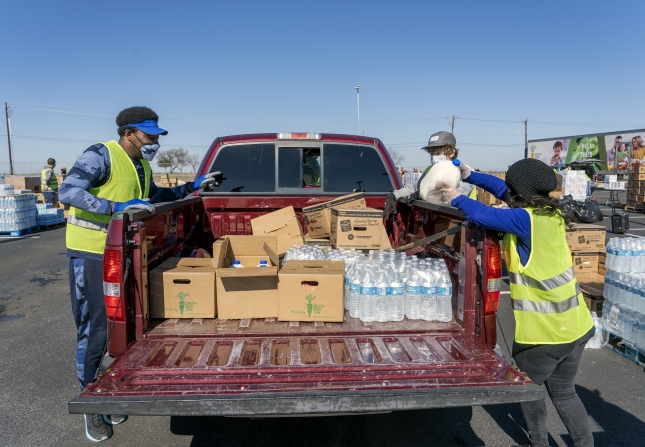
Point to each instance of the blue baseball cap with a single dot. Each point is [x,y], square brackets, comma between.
[149,126]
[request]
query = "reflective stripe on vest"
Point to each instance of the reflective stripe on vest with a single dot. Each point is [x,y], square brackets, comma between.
[53,180]
[79,222]
[545,284]
[87,231]
[547,302]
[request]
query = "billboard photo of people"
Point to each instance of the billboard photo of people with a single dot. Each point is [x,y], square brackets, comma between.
[615,151]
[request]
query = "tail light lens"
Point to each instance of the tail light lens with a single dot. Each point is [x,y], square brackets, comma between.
[112,275]
[493,277]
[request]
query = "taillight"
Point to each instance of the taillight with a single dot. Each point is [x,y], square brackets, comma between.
[112,275]
[493,277]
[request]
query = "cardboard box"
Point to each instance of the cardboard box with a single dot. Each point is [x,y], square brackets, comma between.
[183,288]
[585,263]
[282,224]
[442,224]
[318,217]
[602,259]
[357,228]
[586,237]
[24,182]
[311,291]
[249,292]
[637,176]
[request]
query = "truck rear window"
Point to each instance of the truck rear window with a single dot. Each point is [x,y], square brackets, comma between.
[353,167]
[247,167]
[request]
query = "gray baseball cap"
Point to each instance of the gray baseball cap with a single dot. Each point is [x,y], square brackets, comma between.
[441,139]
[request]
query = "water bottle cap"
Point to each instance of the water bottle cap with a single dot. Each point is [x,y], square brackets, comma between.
[456,162]
[263,262]
[236,262]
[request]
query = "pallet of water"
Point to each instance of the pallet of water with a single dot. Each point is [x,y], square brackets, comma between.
[17,213]
[624,290]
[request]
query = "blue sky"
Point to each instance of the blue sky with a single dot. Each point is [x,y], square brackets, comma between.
[210,69]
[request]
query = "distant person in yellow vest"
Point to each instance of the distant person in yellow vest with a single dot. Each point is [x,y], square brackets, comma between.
[49,182]
[441,146]
[552,322]
[108,178]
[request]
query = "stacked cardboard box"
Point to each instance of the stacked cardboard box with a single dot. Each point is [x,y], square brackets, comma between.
[575,184]
[167,182]
[587,245]
[23,182]
[558,192]
[636,188]
[487,198]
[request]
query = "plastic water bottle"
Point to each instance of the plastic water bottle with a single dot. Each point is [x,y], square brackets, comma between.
[598,340]
[382,298]
[444,297]
[263,263]
[354,291]
[397,289]
[349,269]
[428,300]
[367,300]
[237,265]
[611,254]
[412,295]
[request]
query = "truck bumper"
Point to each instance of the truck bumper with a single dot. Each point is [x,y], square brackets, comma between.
[306,404]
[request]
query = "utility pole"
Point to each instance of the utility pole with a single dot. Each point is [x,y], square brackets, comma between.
[526,138]
[452,124]
[6,114]
[358,109]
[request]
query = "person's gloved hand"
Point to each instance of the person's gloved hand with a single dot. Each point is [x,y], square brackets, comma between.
[134,204]
[207,181]
[412,197]
[390,205]
[449,193]
[464,171]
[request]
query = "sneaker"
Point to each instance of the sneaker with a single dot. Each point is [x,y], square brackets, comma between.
[96,429]
[115,419]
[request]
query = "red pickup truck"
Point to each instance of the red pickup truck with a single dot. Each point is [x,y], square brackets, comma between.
[266,367]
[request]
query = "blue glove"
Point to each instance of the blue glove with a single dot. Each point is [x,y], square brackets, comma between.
[134,204]
[207,181]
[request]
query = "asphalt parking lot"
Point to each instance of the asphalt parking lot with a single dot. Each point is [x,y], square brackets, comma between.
[38,377]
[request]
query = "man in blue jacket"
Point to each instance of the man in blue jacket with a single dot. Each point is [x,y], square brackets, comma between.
[108,178]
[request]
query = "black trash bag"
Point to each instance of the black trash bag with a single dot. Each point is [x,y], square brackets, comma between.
[583,212]
[589,212]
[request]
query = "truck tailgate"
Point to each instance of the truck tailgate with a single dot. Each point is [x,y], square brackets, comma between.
[278,373]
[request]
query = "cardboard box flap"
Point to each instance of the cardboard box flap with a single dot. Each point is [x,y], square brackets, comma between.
[272,254]
[314,267]
[249,271]
[585,227]
[251,246]
[197,262]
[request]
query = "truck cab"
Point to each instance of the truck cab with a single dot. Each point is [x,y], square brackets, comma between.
[265,367]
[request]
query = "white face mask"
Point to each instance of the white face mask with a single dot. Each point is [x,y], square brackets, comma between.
[434,159]
[149,151]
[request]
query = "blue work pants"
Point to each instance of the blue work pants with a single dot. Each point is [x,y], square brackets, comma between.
[88,308]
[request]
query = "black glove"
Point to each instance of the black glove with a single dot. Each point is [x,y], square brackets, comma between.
[412,197]
[390,205]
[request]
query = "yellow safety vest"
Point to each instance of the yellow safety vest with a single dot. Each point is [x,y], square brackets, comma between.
[547,301]
[473,192]
[53,180]
[86,231]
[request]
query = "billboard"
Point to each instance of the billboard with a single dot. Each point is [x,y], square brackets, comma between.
[618,151]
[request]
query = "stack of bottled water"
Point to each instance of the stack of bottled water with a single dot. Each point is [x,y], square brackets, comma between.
[17,212]
[390,286]
[624,307]
[48,215]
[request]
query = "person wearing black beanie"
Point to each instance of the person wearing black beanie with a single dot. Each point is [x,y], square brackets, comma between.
[552,323]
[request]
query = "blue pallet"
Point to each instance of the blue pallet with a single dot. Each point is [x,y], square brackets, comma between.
[626,349]
[21,232]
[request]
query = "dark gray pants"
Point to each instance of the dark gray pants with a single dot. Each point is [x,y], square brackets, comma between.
[555,366]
